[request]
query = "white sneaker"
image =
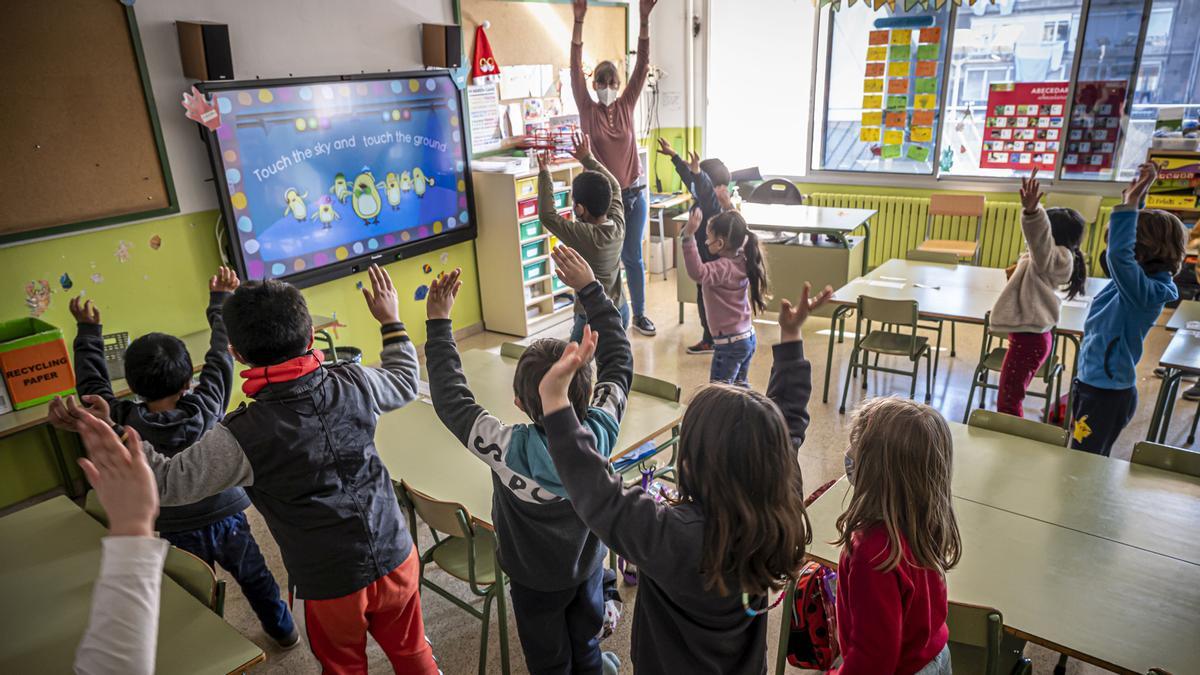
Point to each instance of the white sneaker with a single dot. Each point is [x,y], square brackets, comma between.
[611,662]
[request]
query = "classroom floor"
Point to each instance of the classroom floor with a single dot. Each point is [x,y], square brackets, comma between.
[455,635]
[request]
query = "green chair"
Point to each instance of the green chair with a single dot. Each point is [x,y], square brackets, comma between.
[941,258]
[512,350]
[1167,458]
[893,314]
[92,507]
[1019,426]
[991,358]
[197,578]
[465,552]
[979,645]
[652,386]
[785,626]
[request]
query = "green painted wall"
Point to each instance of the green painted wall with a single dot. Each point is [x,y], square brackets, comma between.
[167,290]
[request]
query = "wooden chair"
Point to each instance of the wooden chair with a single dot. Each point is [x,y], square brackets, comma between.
[891,313]
[979,645]
[954,206]
[776,191]
[197,578]
[1167,458]
[465,552]
[1017,426]
[991,358]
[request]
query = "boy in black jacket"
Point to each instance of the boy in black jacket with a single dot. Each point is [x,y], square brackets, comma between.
[554,563]
[173,416]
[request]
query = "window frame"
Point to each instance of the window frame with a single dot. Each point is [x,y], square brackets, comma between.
[936,179]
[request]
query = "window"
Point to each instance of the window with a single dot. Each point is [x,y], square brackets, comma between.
[1056,31]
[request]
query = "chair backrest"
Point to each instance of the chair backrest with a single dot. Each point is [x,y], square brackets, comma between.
[1167,457]
[195,576]
[512,350]
[942,257]
[975,636]
[652,386]
[956,205]
[898,312]
[776,191]
[92,507]
[447,517]
[1018,426]
[1087,205]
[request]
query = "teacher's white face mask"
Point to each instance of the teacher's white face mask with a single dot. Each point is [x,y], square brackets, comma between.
[607,95]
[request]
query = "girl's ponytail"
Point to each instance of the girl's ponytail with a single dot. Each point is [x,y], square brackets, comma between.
[756,272]
[1066,228]
[1078,280]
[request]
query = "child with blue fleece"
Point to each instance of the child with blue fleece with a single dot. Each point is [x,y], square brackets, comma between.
[1145,250]
[554,563]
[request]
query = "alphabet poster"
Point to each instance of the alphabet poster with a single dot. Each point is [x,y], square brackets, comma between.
[1024,125]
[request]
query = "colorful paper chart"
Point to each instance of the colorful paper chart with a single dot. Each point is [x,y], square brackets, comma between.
[872,101]
[927,68]
[921,134]
[918,153]
[869,135]
[876,69]
[1016,141]
[896,120]
[890,151]
[922,118]
[933,34]
[899,53]
[877,37]
[901,37]
[872,119]
[873,86]
[893,137]
[877,53]
[897,102]
[925,101]
[896,68]
[925,85]
[898,85]
[927,52]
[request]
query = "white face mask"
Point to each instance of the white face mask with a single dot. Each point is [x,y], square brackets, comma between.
[607,95]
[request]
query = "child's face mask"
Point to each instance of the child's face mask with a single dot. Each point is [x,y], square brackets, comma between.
[849,461]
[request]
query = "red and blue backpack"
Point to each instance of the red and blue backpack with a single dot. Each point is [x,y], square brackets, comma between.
[812,640]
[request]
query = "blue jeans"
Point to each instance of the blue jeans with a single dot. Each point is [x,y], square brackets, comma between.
[636,213]
[560,630]
[731,362]
[229,543]
[581,321]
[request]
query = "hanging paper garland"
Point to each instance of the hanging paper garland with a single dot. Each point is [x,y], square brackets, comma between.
[891,4]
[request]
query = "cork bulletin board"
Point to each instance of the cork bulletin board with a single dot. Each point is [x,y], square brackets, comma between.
[80,139]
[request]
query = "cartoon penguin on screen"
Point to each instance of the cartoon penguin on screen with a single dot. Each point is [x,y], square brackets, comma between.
[365,199]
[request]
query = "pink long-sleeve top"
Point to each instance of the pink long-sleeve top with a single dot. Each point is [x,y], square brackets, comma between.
[725,286]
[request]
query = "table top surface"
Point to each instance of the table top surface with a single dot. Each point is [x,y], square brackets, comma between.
[49,560]
[435,463]
[1114,605]
[1136,505]
[1188,310]
[804,218]
[666,201]
[1183,352]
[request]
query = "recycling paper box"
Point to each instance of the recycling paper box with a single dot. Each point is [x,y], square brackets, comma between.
[33,357]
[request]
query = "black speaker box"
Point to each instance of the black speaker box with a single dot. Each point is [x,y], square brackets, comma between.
[204,50]
[441,45]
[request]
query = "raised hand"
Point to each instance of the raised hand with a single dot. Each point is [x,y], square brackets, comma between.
[693,224]
[645,6]
[792,317]
[665,148]
[381,297]
[694,162]
[1136,192]
[580,7]
[121,477]
[67,414]
[572,268]
[583,146]
[554,384]
[442,292]
[224,281]
[1031,192]
[84,312]
[543,160]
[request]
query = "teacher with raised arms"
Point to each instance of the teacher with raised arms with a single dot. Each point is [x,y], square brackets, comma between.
[609,123]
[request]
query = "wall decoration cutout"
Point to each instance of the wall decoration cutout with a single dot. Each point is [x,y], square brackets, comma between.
[37,297]
[421,292]
[65,281]
[122,252]
[155,242]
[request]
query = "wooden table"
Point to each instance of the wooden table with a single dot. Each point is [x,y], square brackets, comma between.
[49,560]
[659,204]
[1115,605]
[1187,311]
[417,448]
[1181,356]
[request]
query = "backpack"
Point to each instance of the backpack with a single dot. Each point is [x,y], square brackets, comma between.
[812,639]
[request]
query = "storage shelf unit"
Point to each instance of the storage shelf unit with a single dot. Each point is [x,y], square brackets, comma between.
[1178,189]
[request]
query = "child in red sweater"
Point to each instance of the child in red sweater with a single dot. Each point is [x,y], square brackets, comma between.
[900,538]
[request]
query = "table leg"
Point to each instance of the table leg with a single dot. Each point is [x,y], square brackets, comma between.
[1160,405]
[866,247]
[1066,420]
[1164,423]
[61,461]
[833,322]
[662,242]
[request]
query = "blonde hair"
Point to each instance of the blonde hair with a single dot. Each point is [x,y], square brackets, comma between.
[902,469]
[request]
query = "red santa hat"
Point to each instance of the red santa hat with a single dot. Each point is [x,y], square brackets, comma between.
[483,66]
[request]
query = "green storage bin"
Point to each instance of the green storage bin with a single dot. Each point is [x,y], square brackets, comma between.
[533,249]
[531,229]
[561,199]
[535,270]
[556,284]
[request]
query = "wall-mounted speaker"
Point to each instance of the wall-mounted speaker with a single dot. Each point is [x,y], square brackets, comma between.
[204,50]
[441,45]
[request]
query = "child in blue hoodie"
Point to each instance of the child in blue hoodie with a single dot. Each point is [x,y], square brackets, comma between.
[554,563]
[1145,250]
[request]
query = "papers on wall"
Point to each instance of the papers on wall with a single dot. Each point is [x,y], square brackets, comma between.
[568,97]
[484,106]
[531,81]
[515,114]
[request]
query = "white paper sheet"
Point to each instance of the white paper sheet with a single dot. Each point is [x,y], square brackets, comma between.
[484,107]
[886,284]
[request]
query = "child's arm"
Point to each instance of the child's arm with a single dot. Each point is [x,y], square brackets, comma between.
[1036,227]
[614,358]
[703,273]
[568,231]
[1126,273]
[216,377]
[790,386]
[629,521]
[583,153]
[872,645]
[583,99]
[702,188]
[395,383]
[91,372]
